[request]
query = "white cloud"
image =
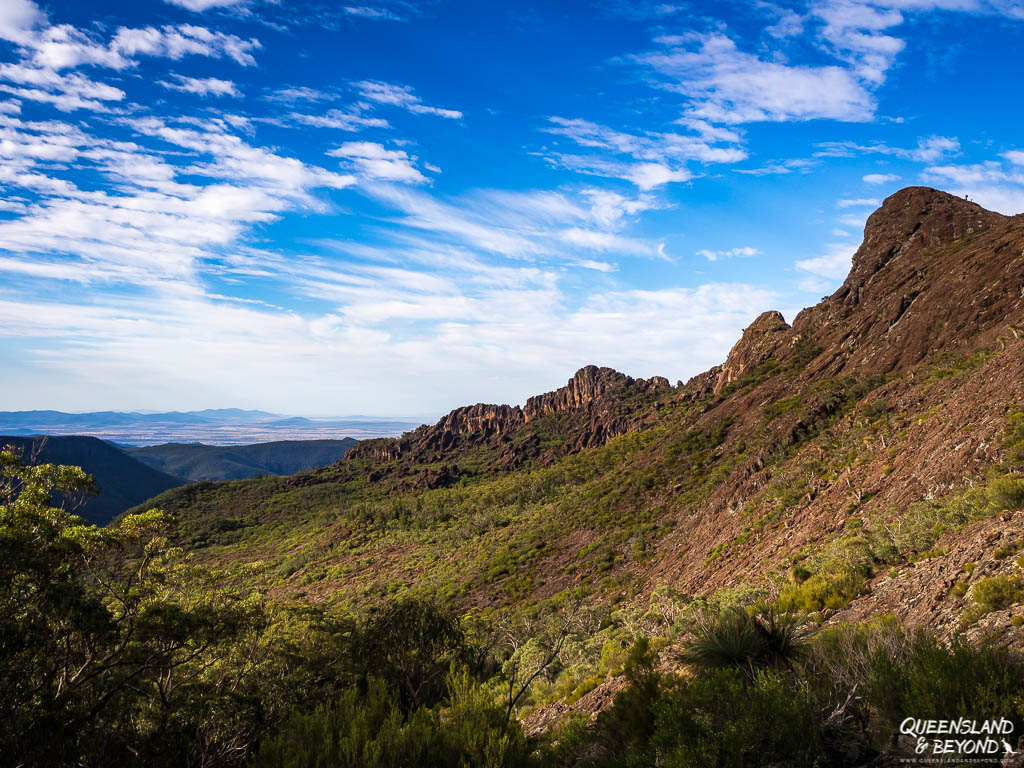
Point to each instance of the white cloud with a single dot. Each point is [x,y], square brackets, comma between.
[880,178]
[858,202]
[646,176]
[650,175]
[370,12]
[726,85]
[853,30]
[176,42]
[825,270]
[1015,156]
[651,147]
[18,18]
[375,162]
[339,120]
[654,159]
[204,5]
[989,183]
[597,266]
[201,86]
[781,168]
[745,251]
[789,24]
[928,149]
[401,96]
[596,240]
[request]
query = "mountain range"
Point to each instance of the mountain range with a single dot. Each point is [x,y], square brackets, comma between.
[863,459]
[121,480]
[225,426]
[126,476]
[784,560]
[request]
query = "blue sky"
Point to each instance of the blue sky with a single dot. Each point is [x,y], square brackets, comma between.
[401,207]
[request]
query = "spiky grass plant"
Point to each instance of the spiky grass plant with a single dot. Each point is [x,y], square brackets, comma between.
[746,641]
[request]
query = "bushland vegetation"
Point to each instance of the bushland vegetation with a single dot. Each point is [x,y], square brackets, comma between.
[116,648]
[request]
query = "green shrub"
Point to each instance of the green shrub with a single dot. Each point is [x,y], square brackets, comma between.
[822,591]
[746,641]
[1006,492]
[369,730]
[1004,552]
[722,719]
[899,673]
[779,407]
[996,593]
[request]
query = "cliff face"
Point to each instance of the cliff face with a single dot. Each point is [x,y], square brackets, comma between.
[592,402]
[932,271]
[761,341]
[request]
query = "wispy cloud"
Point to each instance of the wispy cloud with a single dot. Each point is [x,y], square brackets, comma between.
[656,159]
[401,96]
[824,271]
[744,251]
[880,178]
[928,149]
[201,86]
[372,12]
[374,161]
[204,5]
[726,85]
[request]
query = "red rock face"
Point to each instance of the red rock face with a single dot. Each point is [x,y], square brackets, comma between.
[933,270]
[588,384]
[590,394]
[762,340]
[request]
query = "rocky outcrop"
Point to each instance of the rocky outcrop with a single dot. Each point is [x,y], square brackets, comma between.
[589,383]
[591,398]
[933,270]
[761,341]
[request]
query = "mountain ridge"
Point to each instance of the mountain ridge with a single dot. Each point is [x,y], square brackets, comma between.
[892,394]
[122,480]
[196,462]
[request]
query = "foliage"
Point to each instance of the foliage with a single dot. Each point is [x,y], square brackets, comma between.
[899,673]
[746,641]
[112,645]
[821,591]
[996,592]
[368,729]
[410,645]
[841,704]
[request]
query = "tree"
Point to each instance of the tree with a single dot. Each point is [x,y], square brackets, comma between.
[113,646]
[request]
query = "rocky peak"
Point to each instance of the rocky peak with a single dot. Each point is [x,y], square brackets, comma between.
[933,271]
[913,219]
[482,424]
[588,383]
[760,341]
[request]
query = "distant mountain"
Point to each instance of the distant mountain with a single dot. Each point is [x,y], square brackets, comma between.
[12,421]
[225,426]
[194,461]
[123,481]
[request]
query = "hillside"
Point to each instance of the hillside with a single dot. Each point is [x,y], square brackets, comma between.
[194,461]
[854,461]
[123,481]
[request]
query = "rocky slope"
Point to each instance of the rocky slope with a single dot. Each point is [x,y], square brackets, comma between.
[593,399]
[867,413]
